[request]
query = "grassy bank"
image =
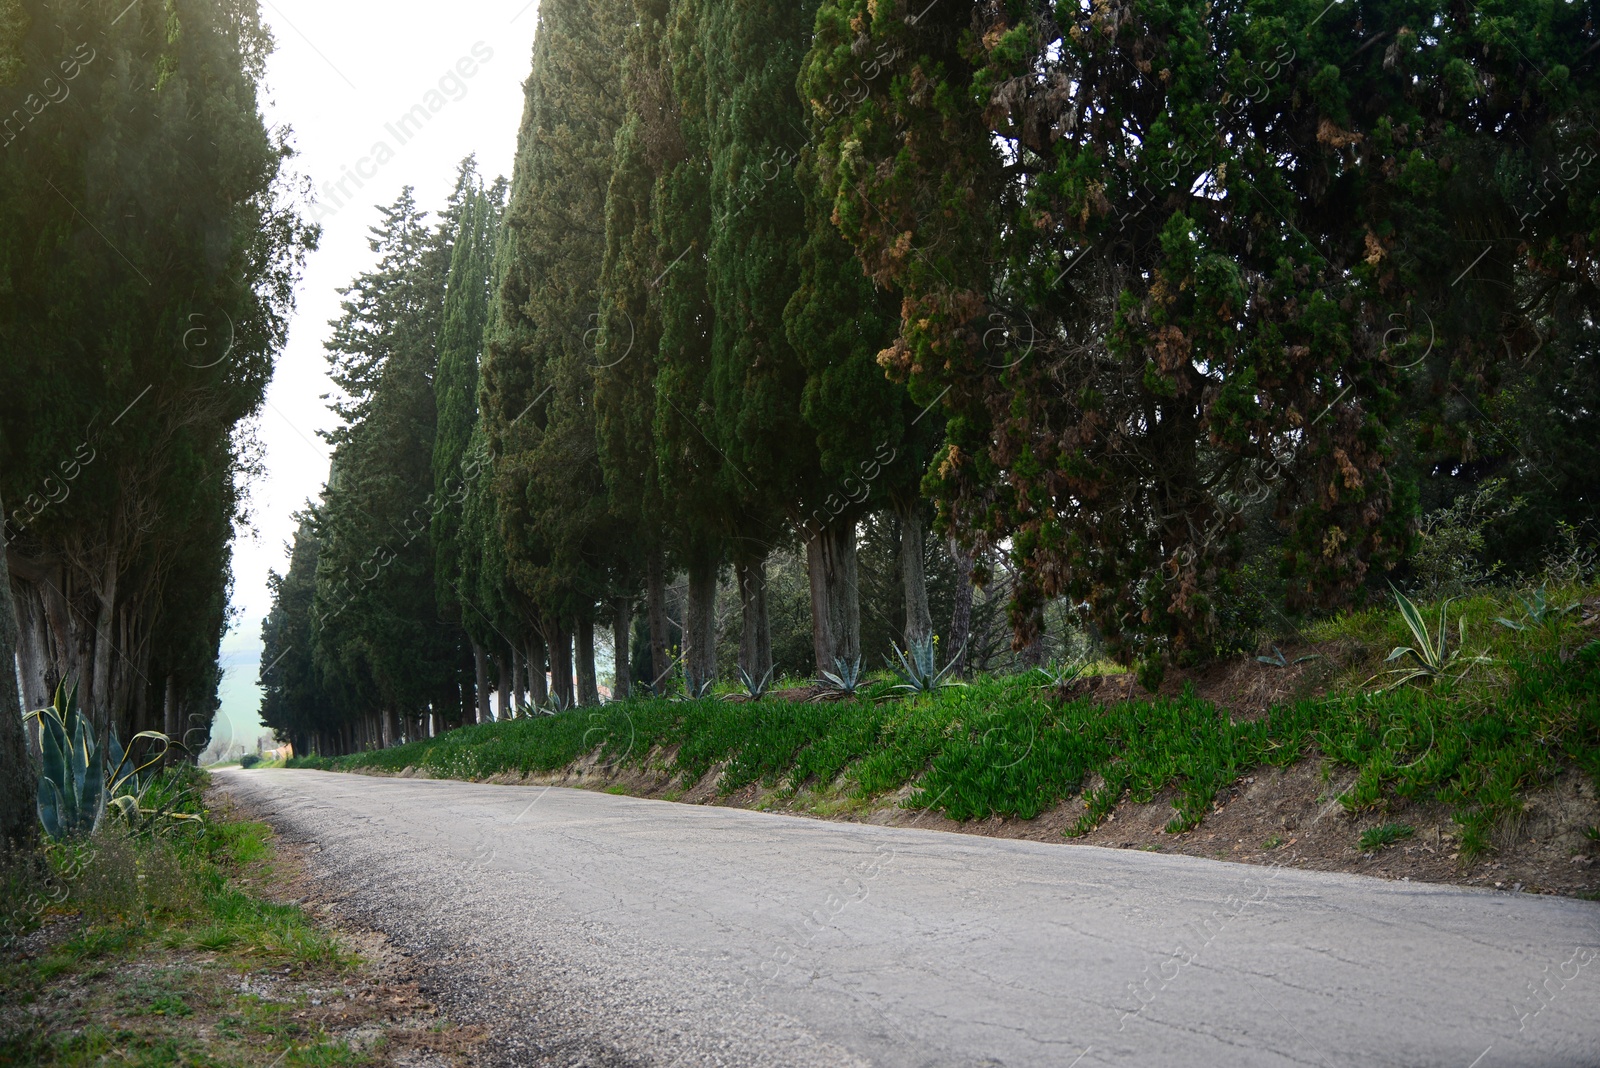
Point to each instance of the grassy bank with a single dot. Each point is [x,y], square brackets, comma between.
[155,949]
[1524,708]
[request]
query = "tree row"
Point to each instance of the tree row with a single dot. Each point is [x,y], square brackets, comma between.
[1175,317]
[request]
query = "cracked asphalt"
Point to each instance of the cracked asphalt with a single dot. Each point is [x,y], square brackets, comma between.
[584,929]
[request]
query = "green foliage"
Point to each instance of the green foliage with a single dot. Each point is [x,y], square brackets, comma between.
[1057,677]
[375,635]
[249,760]
[72,773]
[563,542]
[1539,612]
[1089,259]
[455,383]
[1451,541]
[1006,746]
[1278,660]
[1377,838]
[144,299]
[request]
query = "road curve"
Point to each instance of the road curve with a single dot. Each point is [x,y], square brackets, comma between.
[586,929]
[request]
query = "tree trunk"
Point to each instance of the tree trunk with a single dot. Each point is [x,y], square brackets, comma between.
[538,670]
[700,624]
[835,595]
[561,664]
[480,671]
[99,705]
[961,618]
[621,632]
[33,648]
[660,664]
[19,787]
[504,709]
[588,686]
[169,711]
[755,634]
[1035,653]
[919,621]
[519,664]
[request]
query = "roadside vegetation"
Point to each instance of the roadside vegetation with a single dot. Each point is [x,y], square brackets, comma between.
[150,944]
[1511,701]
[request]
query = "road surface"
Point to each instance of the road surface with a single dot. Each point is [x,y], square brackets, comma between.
[587,929]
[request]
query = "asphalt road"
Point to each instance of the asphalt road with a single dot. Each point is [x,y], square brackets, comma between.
[587,929]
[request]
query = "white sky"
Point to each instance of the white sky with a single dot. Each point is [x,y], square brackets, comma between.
[343,71]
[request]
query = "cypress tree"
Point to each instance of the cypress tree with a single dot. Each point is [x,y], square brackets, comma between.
[378,624]
[146,276]
[293,700]
[873,443]
[755,128]
[629,320]
[562,545]
[466,312]
[688,460]
[1171,299]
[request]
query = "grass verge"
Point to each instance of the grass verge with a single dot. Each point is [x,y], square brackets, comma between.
[1476,743]
[154,949]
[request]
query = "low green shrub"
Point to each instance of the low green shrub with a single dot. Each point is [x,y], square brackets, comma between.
[1011,747]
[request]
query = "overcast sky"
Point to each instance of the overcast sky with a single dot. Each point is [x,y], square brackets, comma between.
[344,75]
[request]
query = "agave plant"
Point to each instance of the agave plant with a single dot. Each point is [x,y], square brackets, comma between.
[1540,612]
[1432,657]
[1278,660]
[1060,676]
[755,688]
[696,689]
[916,668]
[554,704]
[78,782]
[845,677]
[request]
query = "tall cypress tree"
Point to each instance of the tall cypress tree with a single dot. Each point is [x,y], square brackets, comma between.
[146,276]
[294,702]
[379,627]
[629,324]
[755,128]
[562,540]
[466,312]
[874,444]
[687,455]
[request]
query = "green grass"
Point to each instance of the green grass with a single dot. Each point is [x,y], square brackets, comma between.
[130,899]
[1005,746]
[1378,837]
